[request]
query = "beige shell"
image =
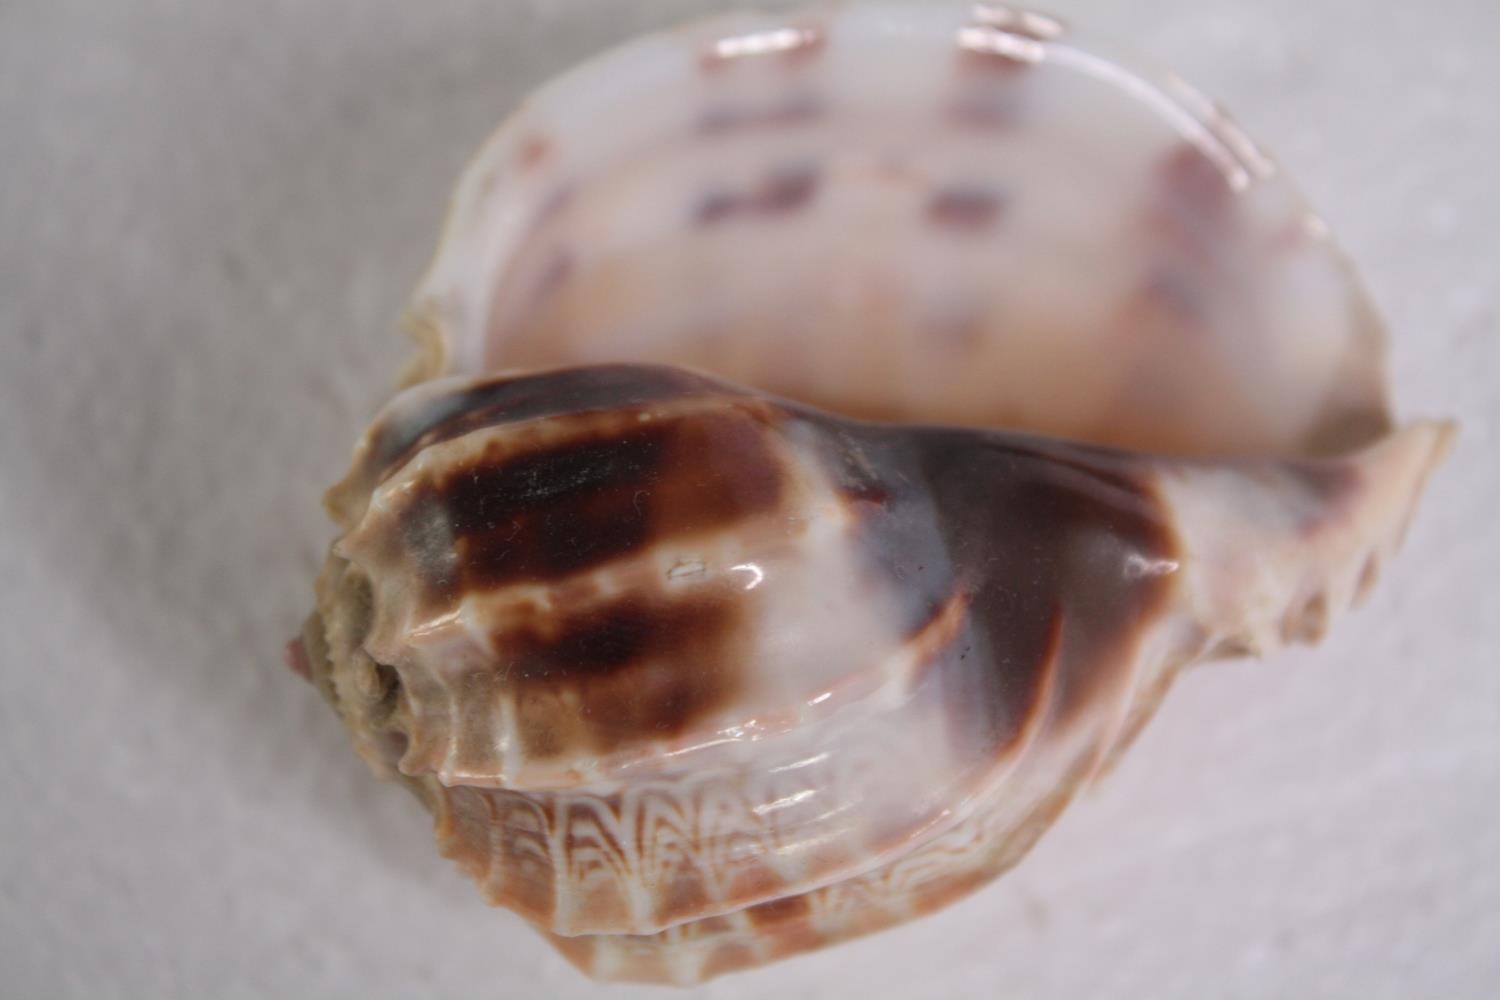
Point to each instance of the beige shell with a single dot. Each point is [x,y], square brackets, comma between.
[832,434]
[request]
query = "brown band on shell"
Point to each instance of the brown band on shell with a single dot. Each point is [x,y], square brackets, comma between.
[782,190]
[609,675]
[543,514]
[397,438]
[964,208]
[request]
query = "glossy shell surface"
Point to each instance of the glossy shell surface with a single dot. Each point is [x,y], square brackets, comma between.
[831,435]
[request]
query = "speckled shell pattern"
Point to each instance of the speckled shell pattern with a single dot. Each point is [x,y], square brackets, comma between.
[832,433]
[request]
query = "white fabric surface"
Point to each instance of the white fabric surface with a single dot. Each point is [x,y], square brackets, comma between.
[210,214]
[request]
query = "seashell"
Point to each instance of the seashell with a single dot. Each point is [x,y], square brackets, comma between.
[832,434]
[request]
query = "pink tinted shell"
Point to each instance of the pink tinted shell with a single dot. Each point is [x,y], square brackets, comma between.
[832,434]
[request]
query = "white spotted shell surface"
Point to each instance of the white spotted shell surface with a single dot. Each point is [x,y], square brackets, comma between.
[831,436]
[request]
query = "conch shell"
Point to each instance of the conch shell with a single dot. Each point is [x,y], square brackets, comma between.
[832,435]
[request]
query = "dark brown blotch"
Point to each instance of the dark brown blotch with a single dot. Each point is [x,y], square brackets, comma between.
[545,514]
[641,667]
[964,208]
[781,192]
[549,513]
[786,189]
[396,440]
[601,641]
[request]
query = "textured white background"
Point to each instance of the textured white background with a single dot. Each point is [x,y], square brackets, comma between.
[210,214]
